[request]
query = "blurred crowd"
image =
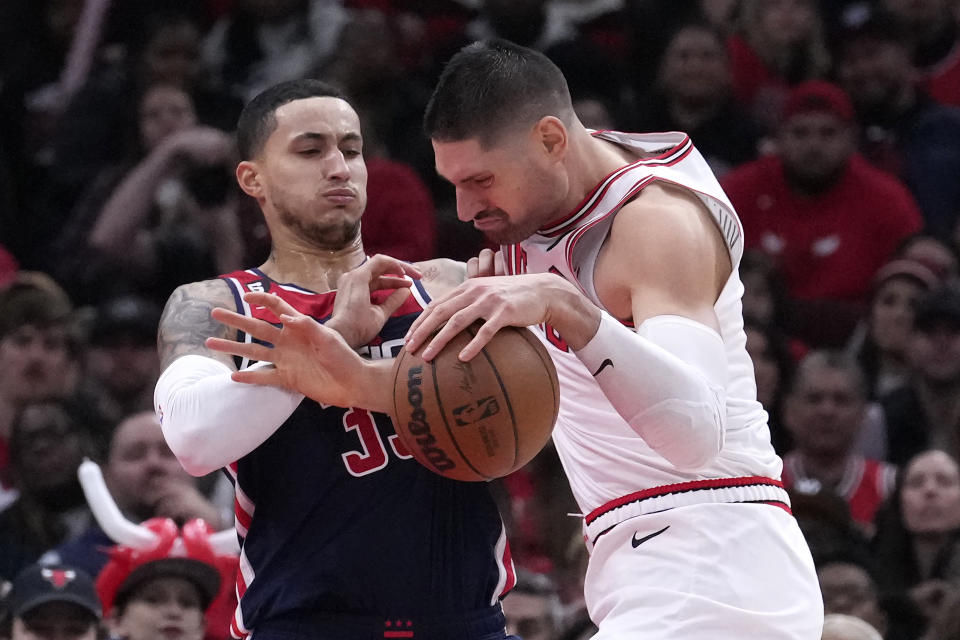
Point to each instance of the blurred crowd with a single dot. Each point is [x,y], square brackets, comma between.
[833,126]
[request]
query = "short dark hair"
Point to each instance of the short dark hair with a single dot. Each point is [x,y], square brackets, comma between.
[257,120]
[491,86]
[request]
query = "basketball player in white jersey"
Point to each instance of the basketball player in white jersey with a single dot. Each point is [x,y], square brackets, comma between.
[621,251]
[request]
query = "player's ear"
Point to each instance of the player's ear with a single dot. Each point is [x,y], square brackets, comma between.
[552,134]
[248,177]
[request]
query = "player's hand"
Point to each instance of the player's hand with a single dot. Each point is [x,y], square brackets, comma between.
[518,301]
[356,314]
[308,357]
[488,263]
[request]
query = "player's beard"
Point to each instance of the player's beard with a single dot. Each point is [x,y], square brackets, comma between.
[330,232]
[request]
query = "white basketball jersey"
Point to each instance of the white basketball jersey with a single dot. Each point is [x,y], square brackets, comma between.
[604,458]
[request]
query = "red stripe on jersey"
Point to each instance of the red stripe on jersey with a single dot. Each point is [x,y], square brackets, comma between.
[398,634]
[507,560]
[243,517]
[681,487]
[561,225]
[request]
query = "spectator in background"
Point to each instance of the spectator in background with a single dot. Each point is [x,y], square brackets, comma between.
[121,361]
[177,588]
[779,44]
[50,438]
[808,207]
[171,217]
[86,141]
[38,355]
[8,268]
[773,368]
[903,131]
[53,603]
[917,545]
[881,343]
[849,589]
[926,411]
[262,42]
[693,94]
[532,607]
[930,27]
[824,413]
[146,481]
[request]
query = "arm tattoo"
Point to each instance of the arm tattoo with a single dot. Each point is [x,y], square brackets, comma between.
[186,321]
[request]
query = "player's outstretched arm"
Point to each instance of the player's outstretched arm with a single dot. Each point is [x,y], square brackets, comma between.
[307,357]
[208,419]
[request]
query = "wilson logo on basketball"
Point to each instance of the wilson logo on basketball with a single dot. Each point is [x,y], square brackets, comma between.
[469,413]
[417,425]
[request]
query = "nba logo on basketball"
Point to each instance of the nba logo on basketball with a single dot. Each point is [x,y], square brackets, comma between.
[468,414]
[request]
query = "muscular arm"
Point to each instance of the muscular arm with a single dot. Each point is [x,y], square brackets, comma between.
[209,420]
[663,265]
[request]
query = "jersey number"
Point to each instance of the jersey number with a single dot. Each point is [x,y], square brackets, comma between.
[372,455]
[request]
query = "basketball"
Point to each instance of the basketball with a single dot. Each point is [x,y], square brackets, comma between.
[481,419]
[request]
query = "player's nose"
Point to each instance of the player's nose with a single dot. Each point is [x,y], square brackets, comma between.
[468,206]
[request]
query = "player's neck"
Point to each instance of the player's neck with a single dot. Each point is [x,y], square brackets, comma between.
[312,267]
[592,160]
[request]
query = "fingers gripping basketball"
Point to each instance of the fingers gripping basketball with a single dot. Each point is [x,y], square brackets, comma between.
[480,419]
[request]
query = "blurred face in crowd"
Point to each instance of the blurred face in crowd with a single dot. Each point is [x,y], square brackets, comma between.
[172,55]
[825,410]
[164,109]
[55,621]
[815,147]
[125,366]
[930,496]
[786,23]
[140,463]
[35,362]
[891,314]
[49,447]
[849,589]
[528,616]
[935,351]
[694,66]
[765,367]
[310,177]
[165,607]
[875,72]
[920,14]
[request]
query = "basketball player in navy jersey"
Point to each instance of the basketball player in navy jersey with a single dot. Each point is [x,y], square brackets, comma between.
[622,252]
[343,535]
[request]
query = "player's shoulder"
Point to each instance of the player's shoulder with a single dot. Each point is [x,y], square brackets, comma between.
[441,275]
[186,322]
[663,208]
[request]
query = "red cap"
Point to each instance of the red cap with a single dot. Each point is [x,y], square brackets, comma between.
[818,96]
[185,554]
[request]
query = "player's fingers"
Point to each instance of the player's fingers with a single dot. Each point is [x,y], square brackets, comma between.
[484,335]
[390,282]
[456,323]
[382,264]
[250,350]
[499,267]
[473,268]
[485,259]
[394,301]
[271,301]
[259,329]
[266,376]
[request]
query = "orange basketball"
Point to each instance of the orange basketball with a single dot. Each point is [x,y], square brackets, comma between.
[481,419]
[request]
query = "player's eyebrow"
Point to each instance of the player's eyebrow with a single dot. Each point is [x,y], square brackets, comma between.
[352,136]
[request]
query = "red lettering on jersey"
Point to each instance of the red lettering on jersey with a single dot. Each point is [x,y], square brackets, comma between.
[554,338]
[372,456]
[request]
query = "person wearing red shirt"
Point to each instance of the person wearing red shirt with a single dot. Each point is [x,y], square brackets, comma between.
[826,217]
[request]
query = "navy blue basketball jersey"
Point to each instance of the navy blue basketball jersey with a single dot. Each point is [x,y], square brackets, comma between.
[334,515]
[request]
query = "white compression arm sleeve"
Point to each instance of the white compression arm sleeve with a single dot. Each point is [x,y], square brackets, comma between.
[668,381]
[208,420]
